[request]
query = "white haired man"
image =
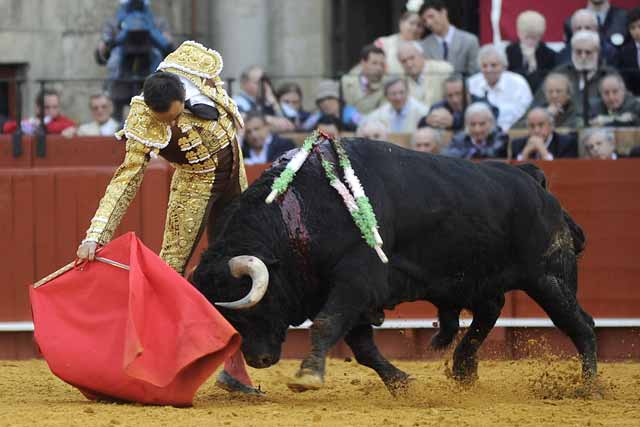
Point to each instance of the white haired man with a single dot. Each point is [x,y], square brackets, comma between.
[543,142]
[507,90]
[599,143]
[428,140]
[425,77]
[481,138]
[586,20]
[584,71]
[402,112]
[530,56]
[612,22]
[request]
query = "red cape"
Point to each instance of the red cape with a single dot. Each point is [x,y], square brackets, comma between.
[144,335]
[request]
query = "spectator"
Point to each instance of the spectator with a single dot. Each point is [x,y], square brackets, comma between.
[256,95]
[425,76]
[558,94]
[611,21]
[103,124]
[330,125]
[586,20]
[54,121]
[543,142]
[630,54]
[599,144]
[364,90]
[428,140]
[449,113]
[447,42]
[328,103]
[402,112]
[411,29]
[481,138]
[635,151]
[260,145]
[132,45]
[373,129]
[584,70]
[505,89]
[530,56]
[289,97]
[618,108]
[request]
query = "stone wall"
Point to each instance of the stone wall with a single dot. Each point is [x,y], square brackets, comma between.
[55,40]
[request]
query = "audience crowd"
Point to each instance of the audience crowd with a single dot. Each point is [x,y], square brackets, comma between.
[445,92]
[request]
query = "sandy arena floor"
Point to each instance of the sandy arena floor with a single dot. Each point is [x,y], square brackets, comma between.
[508,393]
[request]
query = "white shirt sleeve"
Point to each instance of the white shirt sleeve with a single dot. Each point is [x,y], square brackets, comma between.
[193,94]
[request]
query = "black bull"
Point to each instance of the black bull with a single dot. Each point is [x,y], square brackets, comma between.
[458,234]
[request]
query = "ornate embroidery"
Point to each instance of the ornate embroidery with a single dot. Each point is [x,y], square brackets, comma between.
[143,127]
[194,58]
[120,192]
[188,202]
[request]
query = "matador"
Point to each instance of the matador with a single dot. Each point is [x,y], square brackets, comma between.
[196,134]
[185,116]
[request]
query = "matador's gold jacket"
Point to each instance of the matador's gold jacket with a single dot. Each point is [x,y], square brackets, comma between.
[191,145]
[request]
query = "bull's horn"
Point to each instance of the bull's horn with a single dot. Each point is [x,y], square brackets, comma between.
[246,265]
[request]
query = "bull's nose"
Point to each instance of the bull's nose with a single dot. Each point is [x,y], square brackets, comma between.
[265,360]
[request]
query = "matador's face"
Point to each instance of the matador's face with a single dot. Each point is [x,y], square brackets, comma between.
[170,116]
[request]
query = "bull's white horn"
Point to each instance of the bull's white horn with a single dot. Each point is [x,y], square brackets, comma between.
[246,265]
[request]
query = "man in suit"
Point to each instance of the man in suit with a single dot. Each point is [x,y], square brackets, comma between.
[543,142]
[402,112]
[364,90]
[612,22]
[630,56]
[447,42]
[587,20]
[260,145]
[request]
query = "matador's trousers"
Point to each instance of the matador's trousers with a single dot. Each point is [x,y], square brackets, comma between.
[196,201]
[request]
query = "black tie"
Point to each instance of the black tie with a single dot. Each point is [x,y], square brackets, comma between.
[203,111]
[445,50]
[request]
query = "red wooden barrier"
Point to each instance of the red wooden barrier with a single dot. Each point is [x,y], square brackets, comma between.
[46,204]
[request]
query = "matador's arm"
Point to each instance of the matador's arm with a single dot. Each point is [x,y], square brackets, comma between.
[120,192]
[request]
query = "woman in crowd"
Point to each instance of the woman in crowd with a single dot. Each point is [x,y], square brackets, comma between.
[530,56]
[411,28]
[289,97]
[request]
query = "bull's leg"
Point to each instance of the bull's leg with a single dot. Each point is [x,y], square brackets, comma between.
[485,315]
[344,308]
[565,312]
[449,323]
[360,340]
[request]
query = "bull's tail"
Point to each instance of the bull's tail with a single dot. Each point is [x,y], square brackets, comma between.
[577,235]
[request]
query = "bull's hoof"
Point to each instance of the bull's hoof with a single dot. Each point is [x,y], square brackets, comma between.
[232,385]
[463,375]
[399,386]
[305,380]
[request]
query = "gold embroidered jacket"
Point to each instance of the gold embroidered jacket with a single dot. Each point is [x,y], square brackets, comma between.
[191,145]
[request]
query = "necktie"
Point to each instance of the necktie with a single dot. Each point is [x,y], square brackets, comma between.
[445,50]
[203,111]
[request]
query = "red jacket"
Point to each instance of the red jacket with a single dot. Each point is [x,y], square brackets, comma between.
[55,126]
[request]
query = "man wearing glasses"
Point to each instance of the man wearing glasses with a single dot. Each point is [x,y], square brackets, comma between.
[103,124]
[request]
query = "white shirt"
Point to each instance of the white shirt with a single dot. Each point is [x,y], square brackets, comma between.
[255,157]
[448,38]
[638,50]
[511,94]
[94,128]
[193,94]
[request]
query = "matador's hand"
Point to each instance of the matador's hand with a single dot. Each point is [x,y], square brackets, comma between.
[87,251]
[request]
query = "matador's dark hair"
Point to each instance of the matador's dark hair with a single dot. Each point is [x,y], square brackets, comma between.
[161,89]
